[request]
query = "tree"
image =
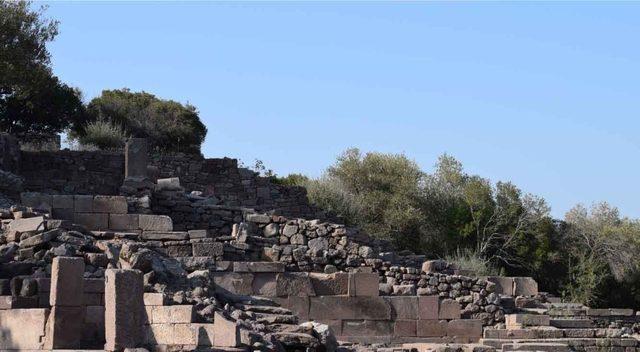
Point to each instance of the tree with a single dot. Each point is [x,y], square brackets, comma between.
[33,102]
[169,125]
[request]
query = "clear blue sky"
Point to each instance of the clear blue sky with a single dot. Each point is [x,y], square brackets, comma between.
[546,95]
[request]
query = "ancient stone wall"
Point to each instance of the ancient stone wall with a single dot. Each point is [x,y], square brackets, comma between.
[72,172]
[9,153]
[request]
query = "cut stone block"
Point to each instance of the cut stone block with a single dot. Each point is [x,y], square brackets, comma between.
[294,284]
[35,199]
[136,158]
[171,314]
[403,308]
[124,306]
[153,299]
[405,328]
[110,204]
[123,222]
[62,201]
[298,305]
[161,223]
[603,312]
[94,315]
[237,283]
[335,284]
[428,307]
[22,329]
[264,284]
[431,328]
[39,239]
[363,284]
[92,221]
[504,285]
[471,328]
[67,284]
[344,307]
[27,224]
[519,321]
[208,249]
[164,236]
[196,234]
[367,327]
[258,267]
[169,334]
[83,204]
[525,286]
[64,327]
[180,250]
[226,332]
[168,184]
[449,309]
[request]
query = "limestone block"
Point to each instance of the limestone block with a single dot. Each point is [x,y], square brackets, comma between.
[110,204]
[164,236]
[92,221]
[259,218]
[428,307]
[504,285]
[153,299]
[343,307]
[518,321]
[22,329]
[298,305]
[258,267]
[67,284]
[83,204]
[92,285]
[160,223]
[123,222]
[405,328]
[449,309]
[39,239]
[204,334]
[431,328]
[609,312]
[92,299]
[226,332]
[136,158]
[196,234]
[123,309]
[35,199]
[330,284]
[169,334]
[367,327]
[94,314]
[294,284]
[403,307]
[471,328]
[208,249]
[264,284]
[62,201]
[172,314]
[64,327]
[363,284]
[525,286]
[168,184]
[238,283]
[180,250]
[27,224]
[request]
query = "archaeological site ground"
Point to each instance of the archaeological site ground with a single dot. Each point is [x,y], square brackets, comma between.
[132,250]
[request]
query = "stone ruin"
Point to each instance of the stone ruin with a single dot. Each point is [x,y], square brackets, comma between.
[228,262]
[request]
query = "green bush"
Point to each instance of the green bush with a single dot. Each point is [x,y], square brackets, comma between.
[102,135]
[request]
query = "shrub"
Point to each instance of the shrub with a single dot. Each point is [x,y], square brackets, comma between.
[102,135]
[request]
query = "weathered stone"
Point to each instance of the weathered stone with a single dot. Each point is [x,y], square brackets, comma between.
[64,327]
[83,203]
[449,309]
[403,308]
[110,204]
[330,284]
[404,290]
[92,221]
[62,201]
[123,222]
[432,266]
[136,158]
[153,299]
[363,284]
[208,249]
[367,328]
[431,328]
[196,234]
[170,314]
[471,328]
[405,328]
[524,286]
[428,307]
[164,236]
[226,331]
[67,284]
[343,307]
[236,283]
[294,284]
[27,225]
[259,218]
[271,230]
[22,329]
[123,309]
[258,267]
[290,230]
[159,223]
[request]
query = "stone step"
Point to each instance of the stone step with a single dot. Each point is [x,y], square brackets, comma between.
[536,346]
[263,309]
[275,318]
[571,323]
[518,321]
[574,343]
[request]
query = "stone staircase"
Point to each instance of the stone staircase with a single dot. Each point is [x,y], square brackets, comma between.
[563,327]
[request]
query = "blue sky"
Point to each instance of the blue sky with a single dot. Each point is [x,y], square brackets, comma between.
[545,94]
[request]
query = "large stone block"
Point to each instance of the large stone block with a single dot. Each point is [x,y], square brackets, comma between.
[204,334]
[164,236]
[62,201]
[363,284]
[153,299]
[519,321]
[208,249]
[35,199]
[403,307]
[471,328]
[367,327]
[171,314]
[64,327]
[238,283]
[405,328]
[431,328]
[83,204]
[92,221]
[264,284]
[504,285]
[161,223]
[67,284]
[123,222]
[344,307]
[258,267]
[22,329]
[110,204]
[27,224]
[124,306]
[335,284]
[169,334]
[428,307]
[449,309]
[525,286]
[298,305]
[136,158]
[294,284]
[226,331]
